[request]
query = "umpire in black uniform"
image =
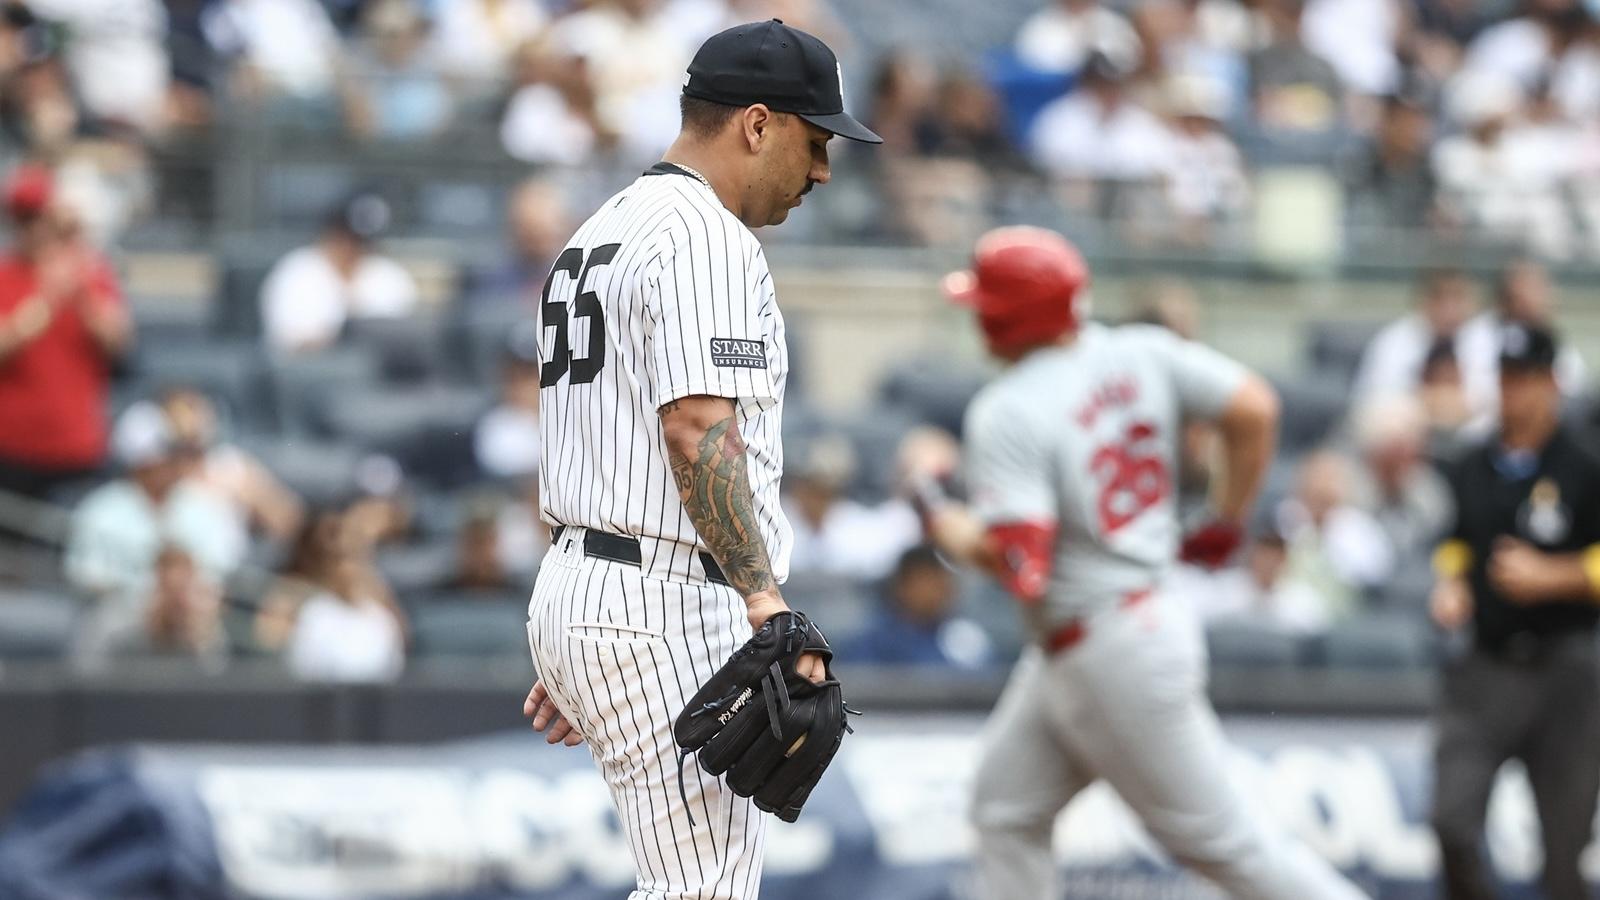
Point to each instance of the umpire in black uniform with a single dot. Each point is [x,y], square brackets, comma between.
[1522,569]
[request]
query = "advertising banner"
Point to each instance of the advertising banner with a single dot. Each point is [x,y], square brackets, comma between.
[511,817]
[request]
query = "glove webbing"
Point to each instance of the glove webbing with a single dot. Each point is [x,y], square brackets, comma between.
[776,695]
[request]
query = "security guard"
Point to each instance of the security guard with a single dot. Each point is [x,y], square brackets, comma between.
[1522,567]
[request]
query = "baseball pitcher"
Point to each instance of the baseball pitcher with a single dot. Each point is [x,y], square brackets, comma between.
[662,379]
[1070,461]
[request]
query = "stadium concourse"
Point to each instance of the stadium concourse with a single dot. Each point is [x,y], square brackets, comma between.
[269,399]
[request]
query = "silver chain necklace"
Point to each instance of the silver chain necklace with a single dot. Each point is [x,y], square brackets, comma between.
[697,176]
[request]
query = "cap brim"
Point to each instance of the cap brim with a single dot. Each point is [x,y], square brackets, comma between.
[845,126]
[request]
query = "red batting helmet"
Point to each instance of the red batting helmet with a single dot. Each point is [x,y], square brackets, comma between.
[1026,285]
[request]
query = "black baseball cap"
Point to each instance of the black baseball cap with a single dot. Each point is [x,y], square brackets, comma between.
[783,67]
[1527,348]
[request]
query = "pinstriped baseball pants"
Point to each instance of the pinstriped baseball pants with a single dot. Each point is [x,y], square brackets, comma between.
[620,654]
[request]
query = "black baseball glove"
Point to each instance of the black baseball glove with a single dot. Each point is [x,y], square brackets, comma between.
[772,730]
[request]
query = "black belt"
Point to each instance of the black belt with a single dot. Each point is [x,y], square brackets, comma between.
[624,549]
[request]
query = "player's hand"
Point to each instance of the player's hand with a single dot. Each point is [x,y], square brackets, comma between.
[1211,545]
[1451,603]
[61,273]
[542,710]
[761,607]
[1519,571]
[927,453]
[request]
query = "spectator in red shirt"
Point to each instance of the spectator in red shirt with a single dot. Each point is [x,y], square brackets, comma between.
[62,324]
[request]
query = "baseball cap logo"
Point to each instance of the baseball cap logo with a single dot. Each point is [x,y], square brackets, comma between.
[838,69]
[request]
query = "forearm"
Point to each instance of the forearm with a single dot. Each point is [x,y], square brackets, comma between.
[1249,432]
[959,535]
[23,326]
[1574,576]
[110,327]
[710,468]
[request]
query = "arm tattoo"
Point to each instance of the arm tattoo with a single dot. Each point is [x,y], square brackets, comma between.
[715,489]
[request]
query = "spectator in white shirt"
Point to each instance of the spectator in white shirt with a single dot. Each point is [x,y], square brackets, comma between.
[120,528]
[552,117]
[1498,176]
[636,62]
[1333,545]
[1098,132]
[118,57]
[289,47]
[228,470]
[332,616]
[837,535]
[311,292]
[1062,36]
[1553,44]
[1393,361]
[1262,591]
[506,440]
[1359,38]
[1205,176]
[476,40]
[348,632]
[1394,484]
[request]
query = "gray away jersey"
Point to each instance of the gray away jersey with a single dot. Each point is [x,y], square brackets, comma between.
[1087,436]
[661,294]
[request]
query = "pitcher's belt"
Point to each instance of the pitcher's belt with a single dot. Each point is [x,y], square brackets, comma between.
[624,549]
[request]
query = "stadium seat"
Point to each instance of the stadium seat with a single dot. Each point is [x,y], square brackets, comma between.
[1335,347]
[230,372]
[985,602]
[408,350]
[34,624]
[1405,592]
[236,311]
[841,605]
[1378,642]
[478,338]
[159,322]
[452,208]
[1311,408]
[395,419]
[413,570]
[320,471]
[934,389]
[303,383]
[300,195]
[484,629]
[876,437]
[1248,645]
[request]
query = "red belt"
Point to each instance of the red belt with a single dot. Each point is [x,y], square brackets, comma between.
[1072,634]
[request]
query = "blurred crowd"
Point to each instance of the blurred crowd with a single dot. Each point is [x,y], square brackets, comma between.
[348,477]
[1178,122]
[193,536]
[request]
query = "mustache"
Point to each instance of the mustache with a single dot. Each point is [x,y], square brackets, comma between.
[809,185]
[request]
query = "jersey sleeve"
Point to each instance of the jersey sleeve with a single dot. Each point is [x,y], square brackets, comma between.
[1204,379]
[709,335]
[1008,469]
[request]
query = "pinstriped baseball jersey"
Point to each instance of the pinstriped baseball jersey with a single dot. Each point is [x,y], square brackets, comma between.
[661,294]
[1086,436]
